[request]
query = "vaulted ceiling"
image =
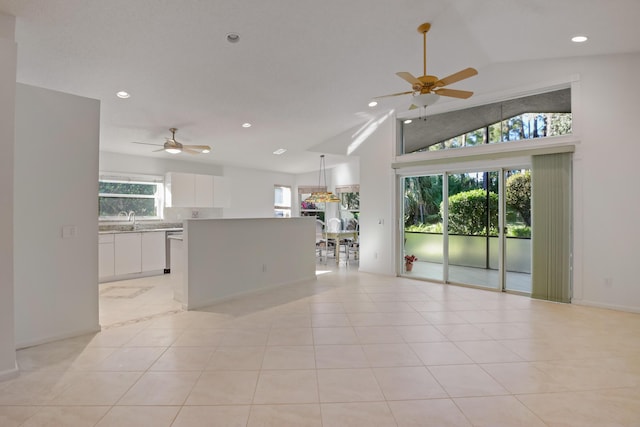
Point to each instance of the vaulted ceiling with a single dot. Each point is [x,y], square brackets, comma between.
[302,72]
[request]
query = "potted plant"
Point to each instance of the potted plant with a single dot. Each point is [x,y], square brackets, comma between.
[408,262]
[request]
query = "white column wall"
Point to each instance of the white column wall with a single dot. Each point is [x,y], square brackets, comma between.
[377,201]
[8,61]
[56,185]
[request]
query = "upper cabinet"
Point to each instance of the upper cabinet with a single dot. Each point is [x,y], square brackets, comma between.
[188,190]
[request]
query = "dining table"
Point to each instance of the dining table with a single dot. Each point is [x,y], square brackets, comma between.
[338,236]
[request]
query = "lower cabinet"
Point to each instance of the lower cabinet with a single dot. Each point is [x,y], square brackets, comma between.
[128,253]
[105,256]
[124,254]
[154,254]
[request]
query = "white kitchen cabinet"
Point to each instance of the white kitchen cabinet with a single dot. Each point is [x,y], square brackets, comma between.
[187,190]
[153,251]
[180,190]
[105,256]
[128,253]
[203,191]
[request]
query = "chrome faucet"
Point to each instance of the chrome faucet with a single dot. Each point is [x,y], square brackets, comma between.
[131,216]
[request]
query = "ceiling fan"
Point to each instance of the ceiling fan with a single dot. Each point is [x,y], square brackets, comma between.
[427,89]
[174,147]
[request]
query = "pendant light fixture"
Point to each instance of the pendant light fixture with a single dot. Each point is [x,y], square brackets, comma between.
[322,196]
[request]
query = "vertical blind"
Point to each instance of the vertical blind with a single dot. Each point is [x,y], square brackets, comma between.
[551,227]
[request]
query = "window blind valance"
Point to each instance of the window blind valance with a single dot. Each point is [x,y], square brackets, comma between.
[130,178]
[311,189]
[354,188]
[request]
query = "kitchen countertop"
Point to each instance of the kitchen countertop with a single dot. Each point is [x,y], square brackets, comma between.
[138,228]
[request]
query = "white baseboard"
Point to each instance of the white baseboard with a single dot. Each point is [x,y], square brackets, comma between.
[212,301]
[596,304]
[10,373]
[44,340]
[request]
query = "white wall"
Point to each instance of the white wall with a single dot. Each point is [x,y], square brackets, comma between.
[346,173]
[125,163]
[8,61]
[117,162]
[252,192]
[56,165]
[230,257]
[606,206]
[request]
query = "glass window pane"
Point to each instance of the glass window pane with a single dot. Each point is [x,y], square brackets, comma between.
[111,206]
[127,188]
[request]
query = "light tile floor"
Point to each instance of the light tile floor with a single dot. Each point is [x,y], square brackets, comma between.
[348,349]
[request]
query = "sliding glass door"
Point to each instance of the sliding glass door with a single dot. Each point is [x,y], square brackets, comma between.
[423,236]
[517,225]
[470,228]
[473,228]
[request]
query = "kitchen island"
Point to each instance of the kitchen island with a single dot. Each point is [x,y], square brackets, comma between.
[225,258]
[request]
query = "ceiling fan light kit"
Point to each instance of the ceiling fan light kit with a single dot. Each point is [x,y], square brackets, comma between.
[426,89]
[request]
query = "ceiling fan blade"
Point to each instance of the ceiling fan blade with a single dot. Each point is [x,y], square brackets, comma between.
[197,147]
[186,149]
[394,94]
[409,77]
[155,151]
[454,93]
[146,143]
[456,77]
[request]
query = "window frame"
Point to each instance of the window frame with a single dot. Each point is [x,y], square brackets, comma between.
[284,208]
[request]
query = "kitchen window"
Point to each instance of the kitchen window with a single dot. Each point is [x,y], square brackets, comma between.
[282,201]
[120,195]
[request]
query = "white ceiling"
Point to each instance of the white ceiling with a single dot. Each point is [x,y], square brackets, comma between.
[302,73]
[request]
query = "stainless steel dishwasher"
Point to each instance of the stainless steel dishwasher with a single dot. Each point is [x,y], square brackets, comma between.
[167,268]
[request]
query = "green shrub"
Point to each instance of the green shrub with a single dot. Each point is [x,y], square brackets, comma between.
[519,231]
[424,228]
[518,195]
[468,213]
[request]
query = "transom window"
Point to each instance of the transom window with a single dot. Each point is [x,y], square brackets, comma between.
[120,195]
[537,116]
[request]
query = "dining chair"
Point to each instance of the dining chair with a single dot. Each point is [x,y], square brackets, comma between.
[321,241]
[334,225]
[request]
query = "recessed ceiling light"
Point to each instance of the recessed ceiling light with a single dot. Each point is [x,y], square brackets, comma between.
[373,103]
[246,125]
[233,37]
[406,122]
[579,39]
[280,151]
[122,94]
